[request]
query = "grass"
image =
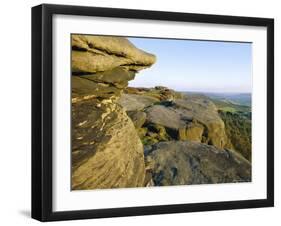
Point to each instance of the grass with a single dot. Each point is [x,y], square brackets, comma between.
[228,109]
[231,107]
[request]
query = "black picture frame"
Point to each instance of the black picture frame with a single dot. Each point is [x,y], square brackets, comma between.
[42,111]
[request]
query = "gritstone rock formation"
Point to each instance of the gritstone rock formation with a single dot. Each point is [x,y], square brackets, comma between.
[206,122]
[184,137]
[133,102]
[186,162]
[193,118]
[134,137]
[106,149]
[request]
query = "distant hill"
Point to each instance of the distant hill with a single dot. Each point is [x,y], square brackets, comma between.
[237,102]
[235,98]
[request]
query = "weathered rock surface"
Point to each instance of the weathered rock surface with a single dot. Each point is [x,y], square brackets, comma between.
[191,118]
[106,149]
[193,132]
[107,152]
[138,118]
[166,116]
[133,102]
[185,162]
[160,93]
[91,54]
[204,112]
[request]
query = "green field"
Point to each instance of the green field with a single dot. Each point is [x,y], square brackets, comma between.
[230,107]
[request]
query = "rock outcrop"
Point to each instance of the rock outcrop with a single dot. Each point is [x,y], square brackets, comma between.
[189,118]
[205,120]
[106,149]
[133,102]
[134,137]
[185,139]
[160,93]
[180,117]
[185,162]
[91,54]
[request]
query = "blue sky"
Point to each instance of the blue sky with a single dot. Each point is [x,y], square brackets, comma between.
[204,66]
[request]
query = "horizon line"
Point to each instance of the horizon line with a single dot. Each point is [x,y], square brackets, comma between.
[232,92]
[196,91]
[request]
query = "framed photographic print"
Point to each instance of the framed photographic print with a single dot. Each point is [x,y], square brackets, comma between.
[145,112]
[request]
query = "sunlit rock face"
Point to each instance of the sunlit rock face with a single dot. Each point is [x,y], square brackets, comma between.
[106,149]
[188,118]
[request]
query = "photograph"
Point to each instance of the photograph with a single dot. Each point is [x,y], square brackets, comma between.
[150,112]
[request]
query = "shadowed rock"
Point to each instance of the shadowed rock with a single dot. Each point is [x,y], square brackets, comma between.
[184,162]
[138,118]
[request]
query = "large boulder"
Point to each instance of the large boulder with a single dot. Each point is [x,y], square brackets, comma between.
[185,162]
[106,149]
[204,112]
[190,118]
